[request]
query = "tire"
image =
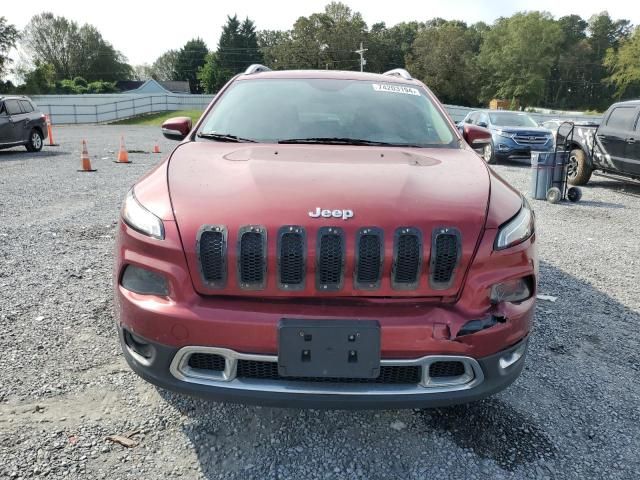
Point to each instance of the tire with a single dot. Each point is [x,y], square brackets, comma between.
[578,169]
[489,153]
[574,194]
[35,142]
[554,195]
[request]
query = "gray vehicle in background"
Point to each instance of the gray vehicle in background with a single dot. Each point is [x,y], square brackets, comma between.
[21,123]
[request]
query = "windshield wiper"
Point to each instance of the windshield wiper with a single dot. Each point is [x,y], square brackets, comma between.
[225,137]
[342,141]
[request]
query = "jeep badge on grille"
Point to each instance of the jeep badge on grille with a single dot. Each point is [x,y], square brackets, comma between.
[326,213]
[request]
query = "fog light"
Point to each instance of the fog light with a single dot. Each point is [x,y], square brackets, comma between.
[145,282]
[138,345]
[503,147]
[512,357]
[512,291]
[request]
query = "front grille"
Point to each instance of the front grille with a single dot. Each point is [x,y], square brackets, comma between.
[530,139]
[444,257]
[407,259]
[292,258]
[369,255]
[446,369]
[207,361]
[212,250]
[252,257]
[407,375]
[330,259]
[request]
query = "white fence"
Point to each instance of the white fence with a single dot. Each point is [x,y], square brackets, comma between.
[70,109]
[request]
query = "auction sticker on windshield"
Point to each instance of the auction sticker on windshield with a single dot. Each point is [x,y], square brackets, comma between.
[385,87]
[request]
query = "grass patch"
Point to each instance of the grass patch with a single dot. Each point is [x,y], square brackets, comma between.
[156,119]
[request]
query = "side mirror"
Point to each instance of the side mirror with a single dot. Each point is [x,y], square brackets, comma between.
[482,124]
[176,128]
[476,136]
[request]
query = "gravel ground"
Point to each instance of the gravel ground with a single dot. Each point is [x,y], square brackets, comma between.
[573,414]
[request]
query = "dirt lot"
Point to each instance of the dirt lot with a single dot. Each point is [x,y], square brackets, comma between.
[64,386]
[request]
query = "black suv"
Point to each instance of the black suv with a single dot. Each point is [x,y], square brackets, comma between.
[21,124]
[612,147]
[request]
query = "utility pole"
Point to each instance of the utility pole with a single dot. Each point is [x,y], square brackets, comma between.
[363,62]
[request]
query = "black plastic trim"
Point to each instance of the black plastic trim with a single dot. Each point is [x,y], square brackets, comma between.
[261,229]
[330,287]
[281,232]
[225,235]
[433,256]
[396,239]
[378,232]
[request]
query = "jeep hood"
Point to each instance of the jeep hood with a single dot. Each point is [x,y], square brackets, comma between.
[236,185]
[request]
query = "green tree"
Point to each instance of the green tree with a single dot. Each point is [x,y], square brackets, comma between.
[164,67]
[389,47]
[567,86]
[322,40]
[72,50]
[211,76]
[517,55]
[189,61]
[237,49]
[624,65]
[39,80]
[443,55]
[604,34]
[8,38]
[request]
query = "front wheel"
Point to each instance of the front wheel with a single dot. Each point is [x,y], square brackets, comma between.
[578,169]
[489,153]
[35,141]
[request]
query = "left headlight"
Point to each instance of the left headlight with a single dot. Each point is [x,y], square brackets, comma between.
[516,230]
[141,219]
[502,133]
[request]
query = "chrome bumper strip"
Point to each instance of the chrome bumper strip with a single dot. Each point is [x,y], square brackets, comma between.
[180,369]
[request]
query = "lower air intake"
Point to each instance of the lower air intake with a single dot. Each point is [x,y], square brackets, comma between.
[207,361]
[446,369]
[407,375]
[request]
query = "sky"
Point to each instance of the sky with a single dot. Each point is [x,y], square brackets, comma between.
[142,30]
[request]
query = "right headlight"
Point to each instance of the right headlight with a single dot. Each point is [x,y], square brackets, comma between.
[141,219]
[516,230]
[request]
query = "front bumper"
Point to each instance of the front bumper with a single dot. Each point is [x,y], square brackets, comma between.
[488,375]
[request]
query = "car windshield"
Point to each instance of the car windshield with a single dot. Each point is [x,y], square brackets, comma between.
[508,119]
[328,111]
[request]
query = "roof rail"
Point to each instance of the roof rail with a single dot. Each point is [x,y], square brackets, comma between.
[399,72]
[256,68]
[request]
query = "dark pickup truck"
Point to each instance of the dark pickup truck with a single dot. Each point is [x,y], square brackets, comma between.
[612,147]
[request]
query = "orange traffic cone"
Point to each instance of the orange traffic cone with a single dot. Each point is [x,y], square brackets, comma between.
[84,158]
[50,131]
[123,155]
[156,148]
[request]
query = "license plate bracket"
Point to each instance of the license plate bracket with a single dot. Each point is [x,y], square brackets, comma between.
[329,348]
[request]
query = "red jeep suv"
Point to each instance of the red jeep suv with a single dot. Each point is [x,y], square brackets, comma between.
[326,239]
